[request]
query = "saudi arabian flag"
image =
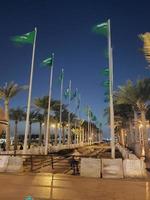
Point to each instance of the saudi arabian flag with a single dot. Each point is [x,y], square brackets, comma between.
[67,93]
[27,38]
[48,62]
[106,83]
[61,76]
[105,71]
[101,29]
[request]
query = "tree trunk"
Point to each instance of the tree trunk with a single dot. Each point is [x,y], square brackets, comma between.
[15,135]
[30,128]
[63,134]
[136,138]
[40,134]
[56,133]
[45,126]
[8,126]
[145,135]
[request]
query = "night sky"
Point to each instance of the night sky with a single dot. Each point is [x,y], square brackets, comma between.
[64,27]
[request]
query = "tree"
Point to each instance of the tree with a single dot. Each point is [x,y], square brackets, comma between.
[137,96]
[42,104]
[6,93]
[17,115]
[40,119]
[32,119]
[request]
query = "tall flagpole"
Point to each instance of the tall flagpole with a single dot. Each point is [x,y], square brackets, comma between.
[61,99]
[111,92]
[88,126]
[49,106]
[69,126]
[29,96]
[76,109]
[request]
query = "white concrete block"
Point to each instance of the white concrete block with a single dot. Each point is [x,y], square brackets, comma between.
[3,163]
[15,164]
[132,156]
[90,167]
[112,168]
[134,168]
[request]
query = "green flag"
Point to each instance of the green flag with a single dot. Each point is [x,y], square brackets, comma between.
[101,29]
[106,53]
[27,38]
[106,84]
[105,71]
[107,99]
[48,62]
[61,76]
[94,118]
[67,93]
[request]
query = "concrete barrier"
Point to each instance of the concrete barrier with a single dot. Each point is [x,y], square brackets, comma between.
[112,168]
[15,164]
[3,163]
[134,168]
[90,167]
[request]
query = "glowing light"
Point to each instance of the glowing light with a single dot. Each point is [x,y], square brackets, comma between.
[53,125]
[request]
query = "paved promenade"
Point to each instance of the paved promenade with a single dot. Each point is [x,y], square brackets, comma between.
[46,186]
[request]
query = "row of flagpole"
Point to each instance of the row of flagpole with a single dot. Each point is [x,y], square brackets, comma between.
[30,38]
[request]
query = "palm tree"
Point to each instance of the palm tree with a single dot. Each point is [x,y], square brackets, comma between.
[40,119]
[6,93]
[137,96]
[16,115]
[32,119]
[42,103]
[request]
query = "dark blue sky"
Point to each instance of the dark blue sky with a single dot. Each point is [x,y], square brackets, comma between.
[64,27]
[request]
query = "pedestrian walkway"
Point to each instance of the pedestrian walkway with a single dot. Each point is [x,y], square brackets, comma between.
[44,186]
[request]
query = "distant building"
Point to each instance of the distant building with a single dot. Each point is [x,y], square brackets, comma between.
[3,121]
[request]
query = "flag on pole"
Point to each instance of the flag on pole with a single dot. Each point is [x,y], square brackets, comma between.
[105,71]
[74,95]
[106,53]
[27,38]
[101,29]
[106,84]
[67,93]
[78,102]
[94,118]
[61,76]
[48,62]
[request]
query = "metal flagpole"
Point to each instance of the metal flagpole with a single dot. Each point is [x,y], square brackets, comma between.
[29,96]
[111,92]
[69,128]
[88,126]
[61,99]
[49,106]
[76,109]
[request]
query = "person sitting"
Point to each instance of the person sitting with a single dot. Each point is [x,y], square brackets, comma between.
[74,165]
[21,147]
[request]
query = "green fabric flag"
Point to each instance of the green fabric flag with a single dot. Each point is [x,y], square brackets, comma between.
[106,84]
[107,99]
[67,93]
[94,118]
[48,62]
[74,95]
[101,29]
[61,76]
[27,38]
[106,53]
[105,71]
